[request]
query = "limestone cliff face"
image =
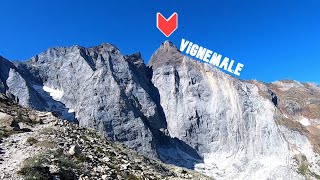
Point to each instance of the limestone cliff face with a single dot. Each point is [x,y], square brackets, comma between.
[234,125]
[178,110]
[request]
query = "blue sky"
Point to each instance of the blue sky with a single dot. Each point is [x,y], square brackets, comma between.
[274,40]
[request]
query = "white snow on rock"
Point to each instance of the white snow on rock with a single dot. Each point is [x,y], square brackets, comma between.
[71,111]
[304,121]
[55,94]
[53,99]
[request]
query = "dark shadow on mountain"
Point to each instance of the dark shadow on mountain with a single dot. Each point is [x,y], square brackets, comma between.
[5,66]
[142,75]
[177,152]
[170,150]
[165,146]
[86,56]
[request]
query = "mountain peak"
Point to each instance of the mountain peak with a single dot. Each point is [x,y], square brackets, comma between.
[106,47]
[168,44]
[167,53]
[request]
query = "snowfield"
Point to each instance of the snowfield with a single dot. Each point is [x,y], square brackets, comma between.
[55,94]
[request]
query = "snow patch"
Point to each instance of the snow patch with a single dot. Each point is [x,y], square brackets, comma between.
[53,99]
[55,94]
[304,121]
[71,111]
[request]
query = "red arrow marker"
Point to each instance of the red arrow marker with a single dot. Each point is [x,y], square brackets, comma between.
[167,26]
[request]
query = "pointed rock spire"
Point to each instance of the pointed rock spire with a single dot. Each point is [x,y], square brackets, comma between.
[167,53]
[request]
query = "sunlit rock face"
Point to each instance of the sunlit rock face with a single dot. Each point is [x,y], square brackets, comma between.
[234,125]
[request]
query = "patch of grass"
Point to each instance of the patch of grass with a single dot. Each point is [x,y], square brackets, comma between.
[32,140]
[33,168]
[113,166]
[303,169]
[99,150]
[48,131]
[82,158]
[66,163]
[46,144]
[3,134]
[37,174]
[302,161]
[132,177]
[37,167]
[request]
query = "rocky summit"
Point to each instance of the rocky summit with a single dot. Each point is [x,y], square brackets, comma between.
[176,109]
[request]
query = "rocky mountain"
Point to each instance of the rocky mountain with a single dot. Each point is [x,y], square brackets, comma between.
[178,110]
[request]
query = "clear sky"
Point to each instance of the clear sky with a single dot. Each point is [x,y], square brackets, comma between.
[273,39]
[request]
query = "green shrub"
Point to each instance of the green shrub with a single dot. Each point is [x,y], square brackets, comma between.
[37,167]
[33,168]
[303,169]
